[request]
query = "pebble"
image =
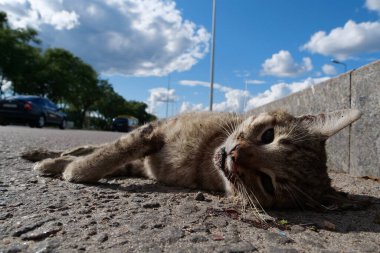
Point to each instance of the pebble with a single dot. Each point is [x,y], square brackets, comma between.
[297,229]
[151,205]
[277,238]
[198,238]
[16,248]
[171,235]
[200,196]
[102,238]
[30,226]
[41,233]
[6,215]
[46,247]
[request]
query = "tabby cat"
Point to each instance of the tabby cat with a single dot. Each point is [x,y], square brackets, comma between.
[273,159]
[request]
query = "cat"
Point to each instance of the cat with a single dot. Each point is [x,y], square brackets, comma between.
[274,159]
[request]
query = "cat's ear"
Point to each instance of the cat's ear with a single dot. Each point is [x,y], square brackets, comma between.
[328,124]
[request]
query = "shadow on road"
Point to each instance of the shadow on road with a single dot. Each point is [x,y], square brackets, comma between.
[365,219]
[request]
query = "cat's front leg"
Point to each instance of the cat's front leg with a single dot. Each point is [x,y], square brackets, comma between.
[110,157]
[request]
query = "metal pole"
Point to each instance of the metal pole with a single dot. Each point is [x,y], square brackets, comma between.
[245,95]
[212,54]
[167,97]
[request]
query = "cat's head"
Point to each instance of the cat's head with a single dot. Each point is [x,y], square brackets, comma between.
[278,160]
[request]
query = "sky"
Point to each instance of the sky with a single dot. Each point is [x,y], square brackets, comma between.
[159,51]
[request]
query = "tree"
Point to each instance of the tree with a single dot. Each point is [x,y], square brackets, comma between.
[61,76]
[138,110]
[17,56]
[111,104]
[82,90]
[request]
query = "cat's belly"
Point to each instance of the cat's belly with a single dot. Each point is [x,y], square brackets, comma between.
[186,159]
[193,170]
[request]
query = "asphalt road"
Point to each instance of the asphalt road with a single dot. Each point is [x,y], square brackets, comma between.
[136,215]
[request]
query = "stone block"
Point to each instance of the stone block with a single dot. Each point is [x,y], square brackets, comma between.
[365,133]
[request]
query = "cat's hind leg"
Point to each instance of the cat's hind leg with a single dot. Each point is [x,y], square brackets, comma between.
[110,157]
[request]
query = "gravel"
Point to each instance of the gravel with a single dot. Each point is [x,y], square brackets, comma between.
[40,214]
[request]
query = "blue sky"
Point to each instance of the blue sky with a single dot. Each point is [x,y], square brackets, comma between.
[264,49]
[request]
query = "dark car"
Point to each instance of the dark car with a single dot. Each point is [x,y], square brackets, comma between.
[33,110]
[124,124]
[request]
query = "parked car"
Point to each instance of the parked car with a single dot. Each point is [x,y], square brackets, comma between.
[33,110]
[124,124]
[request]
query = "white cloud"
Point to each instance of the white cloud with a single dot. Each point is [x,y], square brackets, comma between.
[282,64]
[373,5]
[234,98]
[255,81]
[189,107]
[345,42]
[130,37]
[239,100]
[159,96]
[234,101]
[329,69]
[281,90]
[35,13]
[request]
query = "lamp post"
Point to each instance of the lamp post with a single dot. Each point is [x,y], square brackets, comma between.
[212,54]
[167,97]
[341,63]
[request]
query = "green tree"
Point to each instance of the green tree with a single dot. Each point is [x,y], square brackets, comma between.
[111,104]
[59,73]
[138,110]
[17,56]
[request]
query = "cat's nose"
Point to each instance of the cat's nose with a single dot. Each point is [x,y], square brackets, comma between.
[234,153]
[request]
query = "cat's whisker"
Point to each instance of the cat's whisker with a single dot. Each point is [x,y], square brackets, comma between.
[258,202]
[293,196]
[226,127]
[316,203]
[241,198]
[252,203]
[213,172]
[247,199]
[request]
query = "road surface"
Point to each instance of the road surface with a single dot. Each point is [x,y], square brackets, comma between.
[40,214]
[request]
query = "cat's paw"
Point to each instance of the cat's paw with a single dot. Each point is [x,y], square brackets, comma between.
[80,171]
[52,167]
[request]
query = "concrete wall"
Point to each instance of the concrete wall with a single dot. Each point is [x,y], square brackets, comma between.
[356,149]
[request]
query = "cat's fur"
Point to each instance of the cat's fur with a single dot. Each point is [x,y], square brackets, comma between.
[273,159]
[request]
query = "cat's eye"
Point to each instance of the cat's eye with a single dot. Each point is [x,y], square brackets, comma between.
[268,136]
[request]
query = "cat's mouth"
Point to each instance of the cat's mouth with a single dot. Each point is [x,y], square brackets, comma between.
[220,161]
[220,158]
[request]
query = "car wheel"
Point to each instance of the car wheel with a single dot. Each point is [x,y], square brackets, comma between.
[63,124]
[40,122]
